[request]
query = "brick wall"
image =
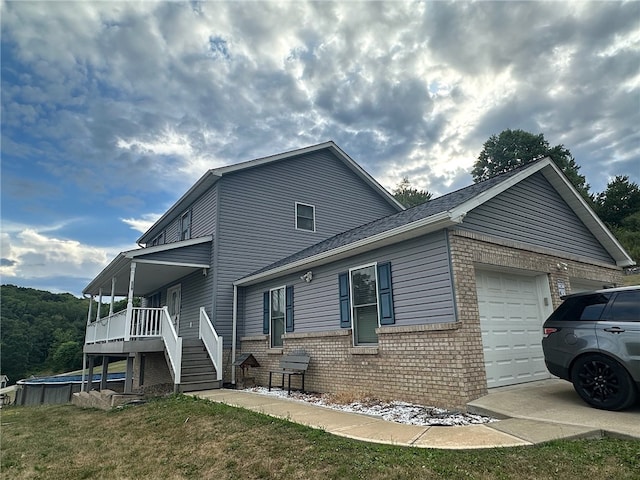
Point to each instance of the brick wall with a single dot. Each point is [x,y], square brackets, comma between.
[416,364]
[441,364]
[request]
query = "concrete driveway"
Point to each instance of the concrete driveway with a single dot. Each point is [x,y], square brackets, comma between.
[555,403]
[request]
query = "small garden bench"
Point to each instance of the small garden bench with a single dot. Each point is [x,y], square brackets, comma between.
[292,364]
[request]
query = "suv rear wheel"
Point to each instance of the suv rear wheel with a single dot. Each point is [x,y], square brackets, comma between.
[602,382]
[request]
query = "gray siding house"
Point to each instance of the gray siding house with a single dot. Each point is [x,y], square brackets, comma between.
[305,251]
[233,221]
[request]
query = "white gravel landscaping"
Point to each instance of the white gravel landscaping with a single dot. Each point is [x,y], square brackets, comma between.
[399,412]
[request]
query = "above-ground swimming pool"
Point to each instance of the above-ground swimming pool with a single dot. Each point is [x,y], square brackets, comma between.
[59,389]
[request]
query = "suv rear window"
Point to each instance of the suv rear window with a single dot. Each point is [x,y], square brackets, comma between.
[583,307]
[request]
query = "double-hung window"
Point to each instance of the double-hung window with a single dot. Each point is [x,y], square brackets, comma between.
[305,217]
[185,225]
[366,301]
[277,314]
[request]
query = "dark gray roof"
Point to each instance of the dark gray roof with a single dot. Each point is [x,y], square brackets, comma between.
[441,204]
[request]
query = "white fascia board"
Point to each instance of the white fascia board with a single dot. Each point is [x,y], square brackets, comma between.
[271,158]
[330,145]
[205,182]
[108,272]
[362,173]
[585,213]
[476,201]
[168,246]
[174,264]
[404,232]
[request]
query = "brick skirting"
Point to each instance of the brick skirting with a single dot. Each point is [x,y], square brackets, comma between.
[440,365]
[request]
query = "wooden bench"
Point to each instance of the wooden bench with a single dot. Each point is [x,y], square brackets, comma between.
[292,364]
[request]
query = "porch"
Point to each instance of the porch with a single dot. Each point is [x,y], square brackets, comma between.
[194,360]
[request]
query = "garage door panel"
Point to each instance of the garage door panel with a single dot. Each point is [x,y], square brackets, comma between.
[511,322]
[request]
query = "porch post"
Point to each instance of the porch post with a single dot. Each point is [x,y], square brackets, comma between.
[90,309]
[84,371]
[128,378]
[90,374]
[132,281]
[105,371]
[113,293]
[99,304]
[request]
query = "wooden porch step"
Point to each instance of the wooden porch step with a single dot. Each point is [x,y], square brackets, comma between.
[199,385]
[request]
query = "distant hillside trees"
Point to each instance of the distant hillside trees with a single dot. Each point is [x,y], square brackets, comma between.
[42,331]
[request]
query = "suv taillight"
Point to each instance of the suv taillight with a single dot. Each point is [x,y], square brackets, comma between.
[548,331]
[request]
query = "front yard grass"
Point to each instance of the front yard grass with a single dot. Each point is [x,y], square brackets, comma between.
[184,437]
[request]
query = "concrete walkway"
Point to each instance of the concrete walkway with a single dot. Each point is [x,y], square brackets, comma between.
[528,406]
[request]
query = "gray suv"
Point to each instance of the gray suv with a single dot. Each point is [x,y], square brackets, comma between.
[593,341]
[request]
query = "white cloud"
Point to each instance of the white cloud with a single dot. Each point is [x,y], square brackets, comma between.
[130,102]
[143,223]
[31,254]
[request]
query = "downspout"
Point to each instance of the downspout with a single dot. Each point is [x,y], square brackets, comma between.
[234,333]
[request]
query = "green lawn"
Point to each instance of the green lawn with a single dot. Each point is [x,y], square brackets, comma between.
[184,437]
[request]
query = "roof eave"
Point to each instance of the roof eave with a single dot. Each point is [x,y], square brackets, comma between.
[205,182]
[582,209]
[389,237]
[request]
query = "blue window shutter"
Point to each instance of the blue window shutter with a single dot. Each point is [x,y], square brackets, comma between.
[345,305]
[289,311]
[385,294]
[265,313]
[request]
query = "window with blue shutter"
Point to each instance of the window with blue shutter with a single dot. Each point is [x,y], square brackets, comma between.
[345,304]
[366,301]
[277,314]
[385,294]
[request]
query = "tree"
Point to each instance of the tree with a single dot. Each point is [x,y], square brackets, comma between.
[514,148]
[620,200]
[619,207]
[67,356]
[410,196]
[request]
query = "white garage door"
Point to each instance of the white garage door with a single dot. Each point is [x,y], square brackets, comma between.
[511,317]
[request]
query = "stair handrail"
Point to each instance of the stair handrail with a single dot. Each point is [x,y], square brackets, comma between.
[172,344]
[212,342]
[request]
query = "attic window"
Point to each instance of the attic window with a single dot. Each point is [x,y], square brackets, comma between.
[185,225]
[158,240]
[305,217]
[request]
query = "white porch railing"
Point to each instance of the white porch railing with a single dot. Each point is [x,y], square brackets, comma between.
[212,342]
[172,344]
[145,323]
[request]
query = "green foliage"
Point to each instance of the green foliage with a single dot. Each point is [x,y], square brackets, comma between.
[514,148]
[618,202]
[619,207]
[408,195]
[67,356]
[35,325]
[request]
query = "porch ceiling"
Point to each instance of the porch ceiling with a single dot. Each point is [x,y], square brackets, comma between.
[150,277]
[151,273]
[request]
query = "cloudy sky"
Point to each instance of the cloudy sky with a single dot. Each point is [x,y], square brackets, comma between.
[110,110]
